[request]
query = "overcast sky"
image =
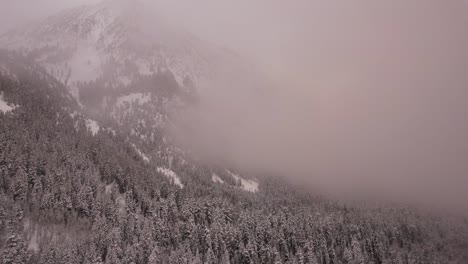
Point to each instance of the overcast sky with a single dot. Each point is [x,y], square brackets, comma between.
[297,34]
[15,12]
[373,93]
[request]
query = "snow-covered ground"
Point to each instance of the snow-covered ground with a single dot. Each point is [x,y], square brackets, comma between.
[171,175]
[92,126]
[139,98]
[247,185]
[31,235]
[112,131]
[141,154]
[80,44]
[215,178]
[4,106]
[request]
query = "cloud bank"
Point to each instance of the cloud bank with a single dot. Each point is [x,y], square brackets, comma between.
[371,98]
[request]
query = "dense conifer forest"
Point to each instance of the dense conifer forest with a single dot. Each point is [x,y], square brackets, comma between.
[68,196]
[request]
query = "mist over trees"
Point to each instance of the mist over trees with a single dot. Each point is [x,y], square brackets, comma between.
[332,133]
[70,197]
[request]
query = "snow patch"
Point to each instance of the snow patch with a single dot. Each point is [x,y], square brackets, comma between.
[171,175]
[141,154]
[4,106]
[247,185]
[31,235]
[216,179]
[112,131]
[108,189]
[73,114]
[92,126]
[33,244]
[139,98]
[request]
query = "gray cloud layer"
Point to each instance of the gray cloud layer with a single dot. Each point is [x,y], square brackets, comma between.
[17,12]
[372,97]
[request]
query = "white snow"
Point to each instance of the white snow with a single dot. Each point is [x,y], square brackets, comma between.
[4,106]
[92,126]
[215,178]
[83,42]
[33,243]
[73,114]
[31,234]
[171,175]
[108,189]
[141,154]
[139,98]
[247,185]
[112,131]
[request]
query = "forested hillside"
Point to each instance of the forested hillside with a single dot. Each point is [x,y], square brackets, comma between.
[69,194]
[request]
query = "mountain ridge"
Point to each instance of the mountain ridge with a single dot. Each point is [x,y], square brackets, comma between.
[80,44]
[97,178]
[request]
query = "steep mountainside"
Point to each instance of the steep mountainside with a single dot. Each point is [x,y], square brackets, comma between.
[115,40]
[127,74]
[74,193]
[89,174]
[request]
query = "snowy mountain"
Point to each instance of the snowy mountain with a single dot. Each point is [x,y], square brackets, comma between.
[137,120]
[130,73]
[74,190]
[95,177]
[118,41]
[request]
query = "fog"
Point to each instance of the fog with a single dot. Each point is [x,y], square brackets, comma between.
[371,98]
[363,97]
[14,13]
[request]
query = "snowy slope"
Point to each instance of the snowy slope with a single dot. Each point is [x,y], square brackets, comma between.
[171,176]
[92,126]
[135,77]
[112,39]
[216,179]
[4,106]
[246,185]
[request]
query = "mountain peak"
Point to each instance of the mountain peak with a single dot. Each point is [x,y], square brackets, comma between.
[79,44]
[117,42]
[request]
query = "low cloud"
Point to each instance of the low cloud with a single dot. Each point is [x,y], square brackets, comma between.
[370,100]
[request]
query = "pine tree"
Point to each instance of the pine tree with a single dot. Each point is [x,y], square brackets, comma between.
[155,256]
[300,257]
[277,258]
[347,256]
[310,256]
[358,257]
[15,251]
[113,254]
[36,194]
[20,189]
[210,258]
[225,257]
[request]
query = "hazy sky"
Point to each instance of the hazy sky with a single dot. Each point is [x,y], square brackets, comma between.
[14,12]
[373,97]
[373,94]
